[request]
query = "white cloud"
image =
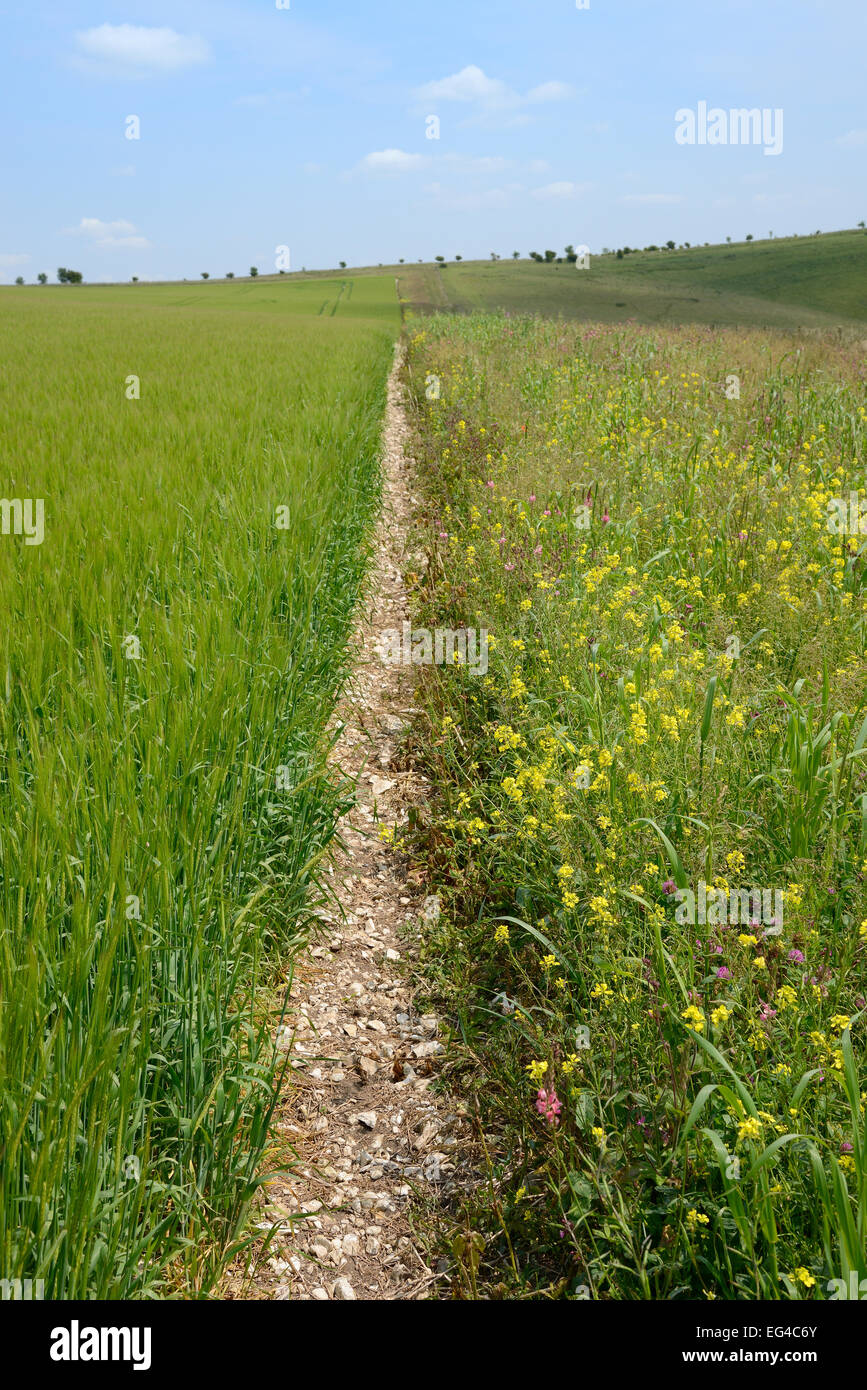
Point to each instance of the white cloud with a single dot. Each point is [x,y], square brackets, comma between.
[470,84]
[13,259]
[391,161]
[462,165]
[124,171]
[132,50]
[652,198]
[853,139]
[551,91]
[112,235]
[561,189]
[496,103]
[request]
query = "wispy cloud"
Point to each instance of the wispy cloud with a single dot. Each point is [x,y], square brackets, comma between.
[111,235]
[391,162]
[463,165]
[650,198]
[853,139]
[496,104]
[11,259]
[552,192]
[133,50]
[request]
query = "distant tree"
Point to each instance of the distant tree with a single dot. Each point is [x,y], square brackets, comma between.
[230,274]
[749,236]
[69,277]
[862,223]
[62,274]
[550,256]
[254,271]
[135,279]
[459,258]
[205,275]
[670,245]
[728,238]
[619,254]
[439,259]
[516,255]
[42,278]
[342,265]
[686,244]
[19,279]
[571,254]
[401,260]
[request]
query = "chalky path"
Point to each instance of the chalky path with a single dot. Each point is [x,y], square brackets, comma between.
[372,1137]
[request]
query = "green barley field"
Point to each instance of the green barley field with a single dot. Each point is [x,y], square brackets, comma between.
[207,456]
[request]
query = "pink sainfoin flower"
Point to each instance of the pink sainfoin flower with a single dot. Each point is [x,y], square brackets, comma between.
[549,1106]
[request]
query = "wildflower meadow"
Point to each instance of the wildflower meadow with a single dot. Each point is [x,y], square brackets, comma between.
[651,823]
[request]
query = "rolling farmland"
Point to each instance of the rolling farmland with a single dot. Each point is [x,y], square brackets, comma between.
[645,837]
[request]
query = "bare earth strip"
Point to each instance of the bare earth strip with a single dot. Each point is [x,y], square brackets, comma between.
[372,1138]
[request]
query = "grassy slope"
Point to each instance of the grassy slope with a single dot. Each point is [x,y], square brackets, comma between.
[162,812]
[812,282]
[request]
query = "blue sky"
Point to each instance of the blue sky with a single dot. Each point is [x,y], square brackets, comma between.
[306,127]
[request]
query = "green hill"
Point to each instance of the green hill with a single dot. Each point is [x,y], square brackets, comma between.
[795,282]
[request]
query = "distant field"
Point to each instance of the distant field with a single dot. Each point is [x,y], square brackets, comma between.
[169,658]
[807,282]
[369,296]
